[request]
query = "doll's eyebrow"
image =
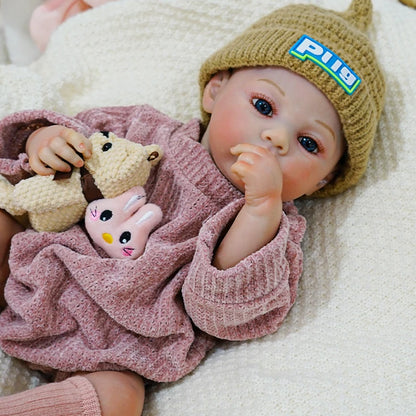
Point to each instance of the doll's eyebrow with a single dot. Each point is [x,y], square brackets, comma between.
[269,81]
[327,127]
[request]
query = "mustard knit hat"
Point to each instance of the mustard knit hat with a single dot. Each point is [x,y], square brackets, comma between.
[330,50]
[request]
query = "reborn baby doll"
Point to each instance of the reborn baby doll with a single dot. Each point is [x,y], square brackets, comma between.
[291,108]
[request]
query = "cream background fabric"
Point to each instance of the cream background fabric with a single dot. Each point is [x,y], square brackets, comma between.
[348,347]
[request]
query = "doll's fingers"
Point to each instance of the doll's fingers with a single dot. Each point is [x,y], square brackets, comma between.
[50,159]
[61,148]
[246,162]
[248,148]
[254,168]
[249,158]
[243,166]
[240,148]
[78,141]
[39,167]
[262,158]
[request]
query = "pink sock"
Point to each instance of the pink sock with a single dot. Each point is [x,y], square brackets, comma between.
[75,396]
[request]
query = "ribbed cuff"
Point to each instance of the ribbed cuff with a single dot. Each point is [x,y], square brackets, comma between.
[75,396]
[89,399]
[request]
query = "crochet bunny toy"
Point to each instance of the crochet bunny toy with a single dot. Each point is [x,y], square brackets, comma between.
[52,204]
[121,225]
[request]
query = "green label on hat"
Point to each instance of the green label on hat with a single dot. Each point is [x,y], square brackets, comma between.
[308,48]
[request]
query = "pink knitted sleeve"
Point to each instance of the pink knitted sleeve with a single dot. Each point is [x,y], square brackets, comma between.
[252,298]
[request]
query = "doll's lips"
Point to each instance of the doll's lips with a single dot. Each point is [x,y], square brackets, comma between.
[273,149]
[127,251]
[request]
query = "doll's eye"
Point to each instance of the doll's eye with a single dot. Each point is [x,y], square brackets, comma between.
[308,144]
[263,106]
[125,237]
[106,215]
[107,146]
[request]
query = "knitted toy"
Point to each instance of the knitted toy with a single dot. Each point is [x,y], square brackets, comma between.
[121,225]
[53,204]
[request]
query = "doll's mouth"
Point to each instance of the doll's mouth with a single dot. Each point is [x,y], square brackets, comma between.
[127,251]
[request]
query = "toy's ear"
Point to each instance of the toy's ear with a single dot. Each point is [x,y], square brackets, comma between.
[155,153]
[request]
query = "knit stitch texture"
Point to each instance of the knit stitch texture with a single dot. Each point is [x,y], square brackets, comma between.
[71,309]
[347,346]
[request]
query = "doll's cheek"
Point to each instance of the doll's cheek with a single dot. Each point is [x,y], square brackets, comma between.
[94,214]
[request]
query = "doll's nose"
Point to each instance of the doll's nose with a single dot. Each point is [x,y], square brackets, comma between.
[108,238]
[279,137]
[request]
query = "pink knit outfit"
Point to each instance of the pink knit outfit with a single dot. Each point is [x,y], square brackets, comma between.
[72,308]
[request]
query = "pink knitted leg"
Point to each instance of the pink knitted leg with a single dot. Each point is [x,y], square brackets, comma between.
[75,396]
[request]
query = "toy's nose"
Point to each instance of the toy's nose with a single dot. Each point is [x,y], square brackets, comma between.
[108,238]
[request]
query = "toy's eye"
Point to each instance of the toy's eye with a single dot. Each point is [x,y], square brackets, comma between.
[107,146]
[125,237]
[154,155]
[106,215]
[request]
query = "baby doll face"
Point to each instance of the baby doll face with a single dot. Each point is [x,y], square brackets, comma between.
[276,109]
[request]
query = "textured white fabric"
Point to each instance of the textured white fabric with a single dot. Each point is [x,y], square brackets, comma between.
[348,345]
[19,47]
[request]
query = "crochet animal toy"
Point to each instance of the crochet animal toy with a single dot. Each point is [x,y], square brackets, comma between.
[121,225]
[52,204]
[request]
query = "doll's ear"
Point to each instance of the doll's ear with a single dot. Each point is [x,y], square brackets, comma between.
[212,89]
[328,178]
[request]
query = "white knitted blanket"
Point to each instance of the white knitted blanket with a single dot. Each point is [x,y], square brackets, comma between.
[348,346]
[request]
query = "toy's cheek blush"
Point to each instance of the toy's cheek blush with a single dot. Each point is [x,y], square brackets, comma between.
[94,214]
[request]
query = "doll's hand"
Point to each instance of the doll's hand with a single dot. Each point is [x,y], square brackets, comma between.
[259,172]
[258,220]
[55,148]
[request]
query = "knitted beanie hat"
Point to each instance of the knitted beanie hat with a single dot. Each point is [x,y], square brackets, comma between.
[330,50]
